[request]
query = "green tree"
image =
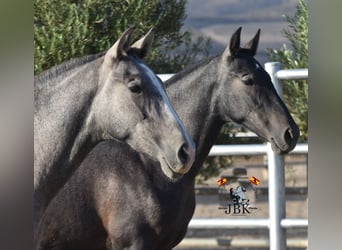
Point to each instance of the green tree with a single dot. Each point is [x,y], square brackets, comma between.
[296,92]
[65,29]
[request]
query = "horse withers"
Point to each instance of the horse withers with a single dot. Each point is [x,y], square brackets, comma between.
[109,96]
[106,206]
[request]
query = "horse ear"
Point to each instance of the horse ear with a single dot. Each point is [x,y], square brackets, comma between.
[120,47]
[234,44]
[252,45]
[142,47]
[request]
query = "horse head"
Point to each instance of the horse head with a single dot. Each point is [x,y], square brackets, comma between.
[249,97]
[132,105]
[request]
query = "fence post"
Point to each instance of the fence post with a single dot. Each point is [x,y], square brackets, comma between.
[276,180]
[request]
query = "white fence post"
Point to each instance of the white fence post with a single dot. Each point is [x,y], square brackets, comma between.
[276,200]
[276,179]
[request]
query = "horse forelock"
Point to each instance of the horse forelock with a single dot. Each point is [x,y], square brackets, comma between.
[154,80]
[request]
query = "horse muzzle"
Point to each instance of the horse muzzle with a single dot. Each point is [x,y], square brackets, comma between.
[175,167]
[287,142]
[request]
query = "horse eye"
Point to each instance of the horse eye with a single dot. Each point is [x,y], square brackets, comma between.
[247,79]
[134,86]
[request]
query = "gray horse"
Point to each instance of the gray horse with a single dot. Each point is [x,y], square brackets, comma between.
[107,206]
[112,95]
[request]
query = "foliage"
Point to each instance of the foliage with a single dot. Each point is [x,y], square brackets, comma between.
[65,29]
[296,92]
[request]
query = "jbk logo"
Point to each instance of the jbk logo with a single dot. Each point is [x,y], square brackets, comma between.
[237,209]
[239,204]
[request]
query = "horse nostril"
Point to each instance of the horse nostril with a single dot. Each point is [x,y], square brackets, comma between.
[183,155]
[288,136]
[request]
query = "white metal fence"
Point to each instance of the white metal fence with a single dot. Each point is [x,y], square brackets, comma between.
[277,222]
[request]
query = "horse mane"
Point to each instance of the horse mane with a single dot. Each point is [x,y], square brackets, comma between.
[188,69]
[66,66]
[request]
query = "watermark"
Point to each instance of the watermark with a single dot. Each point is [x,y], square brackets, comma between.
[254,180]
[236,201]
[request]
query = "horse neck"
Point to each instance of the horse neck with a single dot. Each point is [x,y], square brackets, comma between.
[62,137]
[194,96]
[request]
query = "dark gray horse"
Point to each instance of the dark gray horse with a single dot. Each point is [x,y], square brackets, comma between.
[120,199]
[112,95]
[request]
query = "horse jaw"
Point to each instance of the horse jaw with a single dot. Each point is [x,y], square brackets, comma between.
[168,171]
[281,148]
[278,149]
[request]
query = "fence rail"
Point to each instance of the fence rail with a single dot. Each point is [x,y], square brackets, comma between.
[251,149]
[217,223]
[277,221]
[210,243]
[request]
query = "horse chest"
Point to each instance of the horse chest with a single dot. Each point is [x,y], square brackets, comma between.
[175,212]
